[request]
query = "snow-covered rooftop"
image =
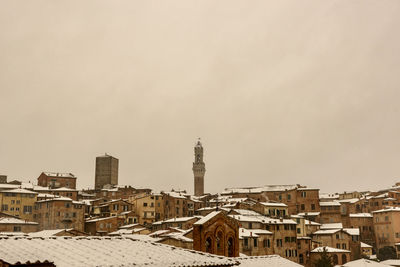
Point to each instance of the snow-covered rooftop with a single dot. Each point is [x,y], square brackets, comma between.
[360,215]
[59,174]
[387,209]
[268,260]
[274,204]
[103,251]
[363,263]
[330,250]
[180,219]
[365,245]
[329,203]
[207,218]
[11,220]
[19,191]
[267,188]
[327,226]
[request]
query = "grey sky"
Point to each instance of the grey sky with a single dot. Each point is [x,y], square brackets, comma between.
[280,91]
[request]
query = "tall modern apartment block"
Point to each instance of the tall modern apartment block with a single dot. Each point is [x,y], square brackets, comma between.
[106,171]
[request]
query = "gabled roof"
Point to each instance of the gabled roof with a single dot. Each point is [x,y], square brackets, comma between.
[103,251]
[207,218]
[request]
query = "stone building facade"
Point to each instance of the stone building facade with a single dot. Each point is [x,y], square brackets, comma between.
[58,213]
[106,171]
[18,202]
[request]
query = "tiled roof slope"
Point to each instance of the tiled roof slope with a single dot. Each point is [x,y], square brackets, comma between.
[103,251]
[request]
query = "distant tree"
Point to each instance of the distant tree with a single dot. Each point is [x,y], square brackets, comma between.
[387,253]
[325,260]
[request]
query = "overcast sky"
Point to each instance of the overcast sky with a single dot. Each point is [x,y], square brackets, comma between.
[281,92]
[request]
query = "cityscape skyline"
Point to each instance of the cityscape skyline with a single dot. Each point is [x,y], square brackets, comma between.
[283,92]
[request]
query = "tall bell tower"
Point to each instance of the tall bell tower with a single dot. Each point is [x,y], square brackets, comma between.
[199,169]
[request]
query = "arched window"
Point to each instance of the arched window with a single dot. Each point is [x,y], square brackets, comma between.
[335,259]
[230,247]
[209,245]
[219,239]
[344,258]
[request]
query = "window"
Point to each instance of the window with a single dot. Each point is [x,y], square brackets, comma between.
[266,243]
[343,246]
[298,230]
[4,207]
[289,197]
[17,209]
[312,206]
[67,205]
[144,204]
[287,239]
[337,236]
[115,207]
[74,214]
[250,225]
[28,209]
[303,194]
[255,242]
[17,228]
[301,259]
[246,242]
[302,207]
[293,239]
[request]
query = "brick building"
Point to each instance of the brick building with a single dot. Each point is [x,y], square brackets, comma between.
[218,234]
[103,226]
[57,180]
[60,212]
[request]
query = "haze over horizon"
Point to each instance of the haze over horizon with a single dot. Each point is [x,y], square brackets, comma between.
[287,92]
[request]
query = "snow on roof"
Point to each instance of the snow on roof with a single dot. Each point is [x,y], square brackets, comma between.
[103,251]
[19,191]
[365,245]
[8,186]
[47,233]
[326,232]
[177,236]
[99,219]
[273,204]
[363,263]
[43,195]
[64,189]
[328,196]
[243,232]
[329,250]
[129,226]
[360,215]
[267,188]
[387,209]
[308,222]
[247,212]
[349,200]
[329,203]
[267,260]
[56,199]
[181,219]
[313,213]
[13,234]
[59,174]
[207,218]
[176,194]
[261,219]
[159,232]
[11,220]
[391,262]
[352,231]
[327,226]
